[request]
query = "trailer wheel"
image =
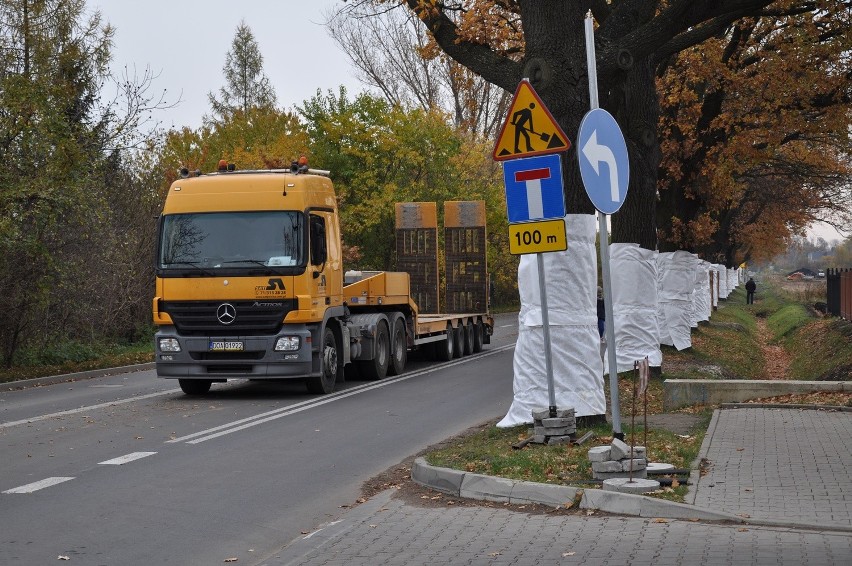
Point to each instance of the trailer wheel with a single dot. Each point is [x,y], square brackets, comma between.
[194,386]
[398,348]
[330,366]
[377,368]
[478,333]
[460,340]
[445,349]
[469,338]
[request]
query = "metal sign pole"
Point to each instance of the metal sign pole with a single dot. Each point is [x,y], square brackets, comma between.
[604,247]
[545,323]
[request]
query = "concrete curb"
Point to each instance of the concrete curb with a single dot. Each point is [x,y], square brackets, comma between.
[68,377]
[488,488]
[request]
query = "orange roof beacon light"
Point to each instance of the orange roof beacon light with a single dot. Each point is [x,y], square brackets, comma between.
[223,165]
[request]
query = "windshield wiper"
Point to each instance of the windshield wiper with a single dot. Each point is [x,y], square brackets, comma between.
[255,261]
[194,264]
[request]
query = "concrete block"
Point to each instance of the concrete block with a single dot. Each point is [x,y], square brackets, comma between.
[607,466]
[554,431]
[599,454]
[637,463]
[487,488]
[539,414]
[558,440]
[559,422]
[638,452]
[619,449]
[445,480]
[547,494]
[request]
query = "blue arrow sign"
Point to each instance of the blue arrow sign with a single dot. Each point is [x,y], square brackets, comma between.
[604,166]
[534,188]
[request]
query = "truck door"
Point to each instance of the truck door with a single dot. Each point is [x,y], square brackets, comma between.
[319,259]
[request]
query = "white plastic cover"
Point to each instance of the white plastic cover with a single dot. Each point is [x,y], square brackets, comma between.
[634,292]
[701,307]
[676,286]
[723,281]
[571,278]
[733,279]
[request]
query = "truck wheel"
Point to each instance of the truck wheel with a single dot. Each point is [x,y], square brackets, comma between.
[398,348]
[445,349]
[194,386]
[468,338]
[330,366]
[478,333]
[377,368]
[459,345]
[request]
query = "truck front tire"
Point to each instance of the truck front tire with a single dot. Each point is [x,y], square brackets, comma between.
[330,364]
[195,386]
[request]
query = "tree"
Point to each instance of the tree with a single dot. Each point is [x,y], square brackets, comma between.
[755,129]
[60,202]
[632,39]
[393,54]
[380,154]
[246,88]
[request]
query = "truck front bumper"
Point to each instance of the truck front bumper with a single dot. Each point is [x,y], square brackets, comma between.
[256,360]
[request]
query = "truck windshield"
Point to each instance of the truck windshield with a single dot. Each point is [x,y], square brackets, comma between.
[214,240]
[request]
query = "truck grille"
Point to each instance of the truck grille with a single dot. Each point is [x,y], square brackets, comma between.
[250,318]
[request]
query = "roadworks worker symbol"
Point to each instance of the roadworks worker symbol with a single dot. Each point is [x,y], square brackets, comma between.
[529,128]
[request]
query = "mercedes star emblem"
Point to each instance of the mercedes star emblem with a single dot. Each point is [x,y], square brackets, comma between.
[226,313]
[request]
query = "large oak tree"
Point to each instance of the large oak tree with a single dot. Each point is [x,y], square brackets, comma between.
[504,41]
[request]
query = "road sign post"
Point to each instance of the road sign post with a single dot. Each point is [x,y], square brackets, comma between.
[535,202]
[605,170]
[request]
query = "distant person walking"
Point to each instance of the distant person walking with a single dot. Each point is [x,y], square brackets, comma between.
[751,286]
[601,313]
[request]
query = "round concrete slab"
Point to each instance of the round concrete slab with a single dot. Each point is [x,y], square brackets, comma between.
[659,467]
[625,485]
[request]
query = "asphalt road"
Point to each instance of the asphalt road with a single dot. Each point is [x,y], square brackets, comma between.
[125,469]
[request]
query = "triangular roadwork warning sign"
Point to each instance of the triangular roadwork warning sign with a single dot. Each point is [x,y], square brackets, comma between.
[529,128]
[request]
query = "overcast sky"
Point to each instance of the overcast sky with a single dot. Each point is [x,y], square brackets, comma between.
[185,43]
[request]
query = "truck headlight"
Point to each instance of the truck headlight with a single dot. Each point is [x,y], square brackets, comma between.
[287,344]
[169,345]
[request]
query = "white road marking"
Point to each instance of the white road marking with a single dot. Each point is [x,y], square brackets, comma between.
[88,408]
[222,430]
[126,458]
[35,486]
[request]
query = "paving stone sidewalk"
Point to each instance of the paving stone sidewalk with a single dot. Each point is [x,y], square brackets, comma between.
[784,464]
[389,531]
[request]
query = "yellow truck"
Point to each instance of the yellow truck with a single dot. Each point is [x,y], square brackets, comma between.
[250,284]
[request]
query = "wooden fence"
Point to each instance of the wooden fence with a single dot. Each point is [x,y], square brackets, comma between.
[839,292]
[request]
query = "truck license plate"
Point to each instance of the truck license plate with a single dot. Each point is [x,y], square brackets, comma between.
[226,346]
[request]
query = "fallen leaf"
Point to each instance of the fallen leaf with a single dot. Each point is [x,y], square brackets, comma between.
[60,557]
[743,530]
[740,449]
[590,512]
[373,526]
[675,483]
[572,553]
[660,520]
[744,515]
[304,532]
[495,553]
[232,559]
